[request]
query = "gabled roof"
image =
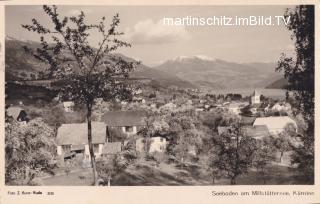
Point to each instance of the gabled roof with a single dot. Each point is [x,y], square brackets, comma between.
[258,131]
[274,122]
[111,148]
[77,133]
[246,120]
[124,118]
[14,111]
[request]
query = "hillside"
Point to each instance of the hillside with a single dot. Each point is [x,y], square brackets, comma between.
[215,73]
[278,84]
[21,66]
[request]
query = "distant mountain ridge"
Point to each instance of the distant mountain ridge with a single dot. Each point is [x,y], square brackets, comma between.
[278,84]
[215,73]
[21,66]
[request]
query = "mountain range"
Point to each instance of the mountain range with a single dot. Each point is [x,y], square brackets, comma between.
[185,72]
[21,66]
[204,71]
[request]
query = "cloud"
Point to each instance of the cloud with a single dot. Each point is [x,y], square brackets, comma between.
[150,32]
[76,12]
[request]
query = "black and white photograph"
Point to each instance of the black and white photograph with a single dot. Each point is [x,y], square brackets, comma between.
[216,95]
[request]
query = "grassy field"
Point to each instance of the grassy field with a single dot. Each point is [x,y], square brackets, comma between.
[144,173]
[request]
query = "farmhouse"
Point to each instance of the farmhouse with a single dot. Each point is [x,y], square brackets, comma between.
[18,114]
[125,122]
[73,139]
[275,125]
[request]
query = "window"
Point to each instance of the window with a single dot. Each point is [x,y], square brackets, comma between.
[129,129]
[161,139]
[66,148]
[96,148]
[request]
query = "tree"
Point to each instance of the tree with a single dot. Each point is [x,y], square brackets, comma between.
[184,135]
[299,71]
[263,157]
[29,150]
[232,152]
[282,144]
[284,140]
[108,167]
[111,165]
[155,125]
[88,72]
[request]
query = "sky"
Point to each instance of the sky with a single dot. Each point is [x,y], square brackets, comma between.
[153,42]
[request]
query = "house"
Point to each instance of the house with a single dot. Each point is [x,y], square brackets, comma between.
[127,122]
[256,132]
[275,124]
[68,106]
[73,139]
[281,106]
[18,114]
[255,98]
[157,144]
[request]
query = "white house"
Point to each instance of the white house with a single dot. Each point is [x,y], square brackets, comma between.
[158,144]
[275,125]
[255,97]
[68,106]
[73,138]
[281,107]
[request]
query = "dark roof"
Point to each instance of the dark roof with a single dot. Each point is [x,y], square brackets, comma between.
[247,120]
[257,131]
[124,118]
[111,148]
[77,133]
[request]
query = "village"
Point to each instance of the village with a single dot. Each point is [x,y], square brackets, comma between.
[140,130]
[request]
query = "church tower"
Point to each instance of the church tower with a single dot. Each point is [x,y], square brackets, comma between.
[255,98]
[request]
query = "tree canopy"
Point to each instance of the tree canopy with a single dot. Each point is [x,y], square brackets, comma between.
[88,72]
